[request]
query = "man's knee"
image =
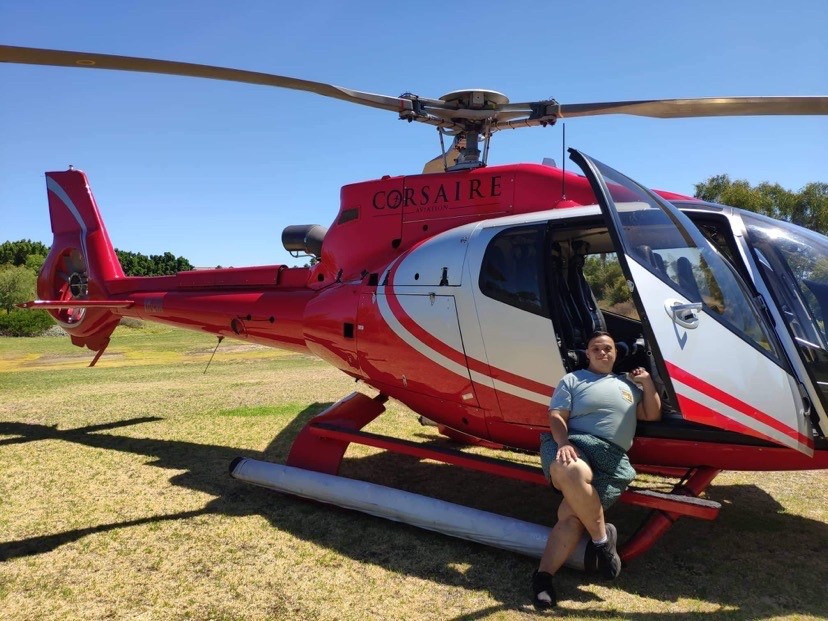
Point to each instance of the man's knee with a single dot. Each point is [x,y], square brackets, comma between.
[563,475]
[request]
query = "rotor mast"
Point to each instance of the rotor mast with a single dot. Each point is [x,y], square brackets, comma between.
[472,129]
[467,115]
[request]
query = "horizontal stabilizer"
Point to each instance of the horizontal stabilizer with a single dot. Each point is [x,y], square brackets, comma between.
[57,304]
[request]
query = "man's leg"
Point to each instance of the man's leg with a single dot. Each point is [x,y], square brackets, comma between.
[575,482]
[563,538]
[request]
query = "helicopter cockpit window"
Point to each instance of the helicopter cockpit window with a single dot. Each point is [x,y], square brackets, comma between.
[672,249]
[511,269]
[796,260]
[795,268]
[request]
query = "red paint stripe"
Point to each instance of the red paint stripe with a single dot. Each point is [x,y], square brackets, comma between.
[733,402]
[525,383]
[452,354]
[695,411]
[421,334]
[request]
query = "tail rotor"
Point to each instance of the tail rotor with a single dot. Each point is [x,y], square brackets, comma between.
[70,281]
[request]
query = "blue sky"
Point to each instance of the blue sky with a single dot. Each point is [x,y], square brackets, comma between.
[214,170]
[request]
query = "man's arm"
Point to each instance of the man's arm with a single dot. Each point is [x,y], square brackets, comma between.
[650,406]
[560,432]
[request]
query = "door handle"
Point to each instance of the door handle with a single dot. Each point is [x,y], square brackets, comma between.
[685,314]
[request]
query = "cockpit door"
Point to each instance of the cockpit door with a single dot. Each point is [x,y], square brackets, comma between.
[720,362]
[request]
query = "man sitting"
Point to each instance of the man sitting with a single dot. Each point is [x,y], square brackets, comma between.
[592,418]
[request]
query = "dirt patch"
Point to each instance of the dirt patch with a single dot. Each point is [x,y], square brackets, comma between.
[235,348]
[49,360]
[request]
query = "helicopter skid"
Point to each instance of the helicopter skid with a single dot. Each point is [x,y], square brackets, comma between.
[401,506]
[321,444]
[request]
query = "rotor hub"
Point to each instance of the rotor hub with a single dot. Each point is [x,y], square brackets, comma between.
[79,285]
[475,99]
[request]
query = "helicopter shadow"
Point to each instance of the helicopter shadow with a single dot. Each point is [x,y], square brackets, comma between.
[730,563]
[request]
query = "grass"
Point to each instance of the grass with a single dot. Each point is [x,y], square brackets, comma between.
[115,503]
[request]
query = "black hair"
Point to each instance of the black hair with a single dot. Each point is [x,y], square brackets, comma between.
[598,333]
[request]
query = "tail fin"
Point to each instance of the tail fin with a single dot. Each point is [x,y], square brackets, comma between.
[81,261]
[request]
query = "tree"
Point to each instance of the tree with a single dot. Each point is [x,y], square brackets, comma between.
[35,261]
[18,252]
[807,208]
[17,284]
[605,278]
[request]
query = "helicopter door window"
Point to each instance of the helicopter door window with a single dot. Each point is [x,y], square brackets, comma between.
[717,287]
[687,262]
[511,271]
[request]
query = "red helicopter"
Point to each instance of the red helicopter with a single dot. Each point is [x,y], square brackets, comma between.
[465,293]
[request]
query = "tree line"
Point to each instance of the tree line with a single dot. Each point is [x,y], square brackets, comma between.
[808,208]
[32,254]
[137,264]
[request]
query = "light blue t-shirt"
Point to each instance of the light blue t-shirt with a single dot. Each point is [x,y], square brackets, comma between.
[600,405]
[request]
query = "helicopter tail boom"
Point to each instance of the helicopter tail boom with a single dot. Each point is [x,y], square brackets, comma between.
[80,263]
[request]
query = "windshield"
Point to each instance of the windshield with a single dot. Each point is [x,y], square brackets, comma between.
[798,261]
[794,264]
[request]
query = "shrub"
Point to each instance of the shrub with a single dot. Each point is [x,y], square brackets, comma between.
[17,284]
[25,323]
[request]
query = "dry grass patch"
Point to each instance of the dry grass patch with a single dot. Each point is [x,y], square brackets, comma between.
[115,503]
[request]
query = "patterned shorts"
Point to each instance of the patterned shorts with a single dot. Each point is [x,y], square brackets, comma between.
[611,469]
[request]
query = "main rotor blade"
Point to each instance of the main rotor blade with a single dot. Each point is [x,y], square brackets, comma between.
[710,106]
[59,58]
[446,114]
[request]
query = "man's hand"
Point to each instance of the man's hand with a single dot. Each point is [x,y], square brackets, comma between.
[566,454]
[640,377]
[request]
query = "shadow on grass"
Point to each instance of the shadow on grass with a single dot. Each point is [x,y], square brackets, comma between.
[739,564]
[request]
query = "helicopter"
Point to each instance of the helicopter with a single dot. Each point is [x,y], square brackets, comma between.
[464,293]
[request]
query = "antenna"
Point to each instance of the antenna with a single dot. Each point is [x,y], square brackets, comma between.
[220,339]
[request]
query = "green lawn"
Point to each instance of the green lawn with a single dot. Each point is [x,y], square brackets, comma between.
[115,503]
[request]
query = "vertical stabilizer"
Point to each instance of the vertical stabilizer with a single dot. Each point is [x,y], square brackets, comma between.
[81,261]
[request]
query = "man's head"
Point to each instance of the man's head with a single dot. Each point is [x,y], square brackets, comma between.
[601,352]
